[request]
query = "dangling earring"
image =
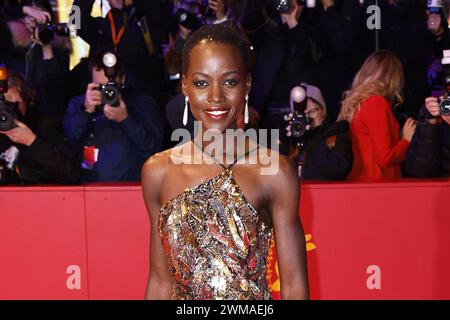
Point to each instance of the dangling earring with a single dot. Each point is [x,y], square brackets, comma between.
[246,110]
[185,114]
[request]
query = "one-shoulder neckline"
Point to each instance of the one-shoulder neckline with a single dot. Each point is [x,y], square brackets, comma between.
[190,189]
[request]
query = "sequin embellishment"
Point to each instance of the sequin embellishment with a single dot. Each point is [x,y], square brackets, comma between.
[215,243]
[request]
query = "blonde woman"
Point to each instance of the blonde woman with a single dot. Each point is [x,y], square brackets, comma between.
[378,146]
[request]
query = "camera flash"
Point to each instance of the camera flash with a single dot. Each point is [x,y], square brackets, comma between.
[109,60]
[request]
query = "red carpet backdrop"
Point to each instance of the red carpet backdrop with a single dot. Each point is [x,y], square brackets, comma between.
[364,241]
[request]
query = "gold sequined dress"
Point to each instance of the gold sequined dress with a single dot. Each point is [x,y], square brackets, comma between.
[215,242]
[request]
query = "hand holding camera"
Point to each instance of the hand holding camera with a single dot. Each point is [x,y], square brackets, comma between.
[291,17]
[93,98]
[118,113]
[38,15]
[434,108]
[21,134]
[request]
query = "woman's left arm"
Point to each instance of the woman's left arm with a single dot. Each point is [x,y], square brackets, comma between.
[284,194]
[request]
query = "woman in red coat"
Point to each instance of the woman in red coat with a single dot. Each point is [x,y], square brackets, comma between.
[378,146]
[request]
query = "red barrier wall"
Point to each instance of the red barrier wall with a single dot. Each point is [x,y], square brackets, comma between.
[399,229]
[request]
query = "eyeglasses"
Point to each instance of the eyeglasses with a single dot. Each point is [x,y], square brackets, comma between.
[311,112]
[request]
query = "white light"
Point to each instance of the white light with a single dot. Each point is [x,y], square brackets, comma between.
[109,60]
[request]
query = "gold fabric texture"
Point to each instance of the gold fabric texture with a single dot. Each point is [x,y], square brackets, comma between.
[215,242]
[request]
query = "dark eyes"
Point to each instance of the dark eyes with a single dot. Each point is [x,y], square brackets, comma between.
[228,82]
[200,83]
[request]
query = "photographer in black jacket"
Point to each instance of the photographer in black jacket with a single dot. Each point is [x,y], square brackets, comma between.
[327,144]
[35,150]
[429,153]
[124,30]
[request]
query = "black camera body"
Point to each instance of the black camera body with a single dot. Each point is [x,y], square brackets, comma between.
[47,31]
[445,102]
[7,114]
[188,19]
[299,122]
[110,93]
[286,6]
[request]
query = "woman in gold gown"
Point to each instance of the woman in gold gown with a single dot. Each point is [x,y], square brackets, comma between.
[212,220]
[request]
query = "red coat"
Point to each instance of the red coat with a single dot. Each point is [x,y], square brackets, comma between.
[378,148]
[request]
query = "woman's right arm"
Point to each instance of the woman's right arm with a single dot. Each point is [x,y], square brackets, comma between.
[160,284]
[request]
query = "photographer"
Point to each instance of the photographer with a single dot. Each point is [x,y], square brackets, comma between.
[328,146]
[123,30]
[112,142]
[47,61]
[286,54]
[40,152]
[429,153]
[15,37]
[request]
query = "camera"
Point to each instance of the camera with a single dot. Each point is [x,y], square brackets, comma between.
[46,32]
[7,114]
[445,102]
[188,19]
[286,6]
[111,91]
[299,122]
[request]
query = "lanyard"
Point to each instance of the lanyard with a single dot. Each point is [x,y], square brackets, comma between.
[114,35]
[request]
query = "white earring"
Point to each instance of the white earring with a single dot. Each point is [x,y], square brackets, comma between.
[185,114]
[246,110]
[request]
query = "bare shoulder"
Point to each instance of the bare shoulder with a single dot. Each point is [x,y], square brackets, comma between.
[157,166]
[278,171]
[153,175]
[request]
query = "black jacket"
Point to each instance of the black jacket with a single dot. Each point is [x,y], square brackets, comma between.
[429,152]
[48,160]
[49,78]
[324,162]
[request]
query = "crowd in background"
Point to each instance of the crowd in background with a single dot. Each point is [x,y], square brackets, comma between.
[383,84]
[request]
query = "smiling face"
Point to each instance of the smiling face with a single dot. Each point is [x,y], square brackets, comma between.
[216,83]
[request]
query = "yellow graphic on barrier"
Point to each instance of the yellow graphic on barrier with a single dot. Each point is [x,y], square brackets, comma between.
[272,273]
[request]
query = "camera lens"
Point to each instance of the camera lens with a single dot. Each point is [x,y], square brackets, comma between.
[298,129]
[445,107]
[45,33]
[110,94]
[282,6]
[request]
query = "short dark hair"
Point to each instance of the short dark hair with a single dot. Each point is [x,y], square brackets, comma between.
[26,92]
[220,33]
[96,62]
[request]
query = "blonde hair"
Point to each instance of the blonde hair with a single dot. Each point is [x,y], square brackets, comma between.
[382,75]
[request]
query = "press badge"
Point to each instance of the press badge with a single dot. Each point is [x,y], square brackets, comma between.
[90,157]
